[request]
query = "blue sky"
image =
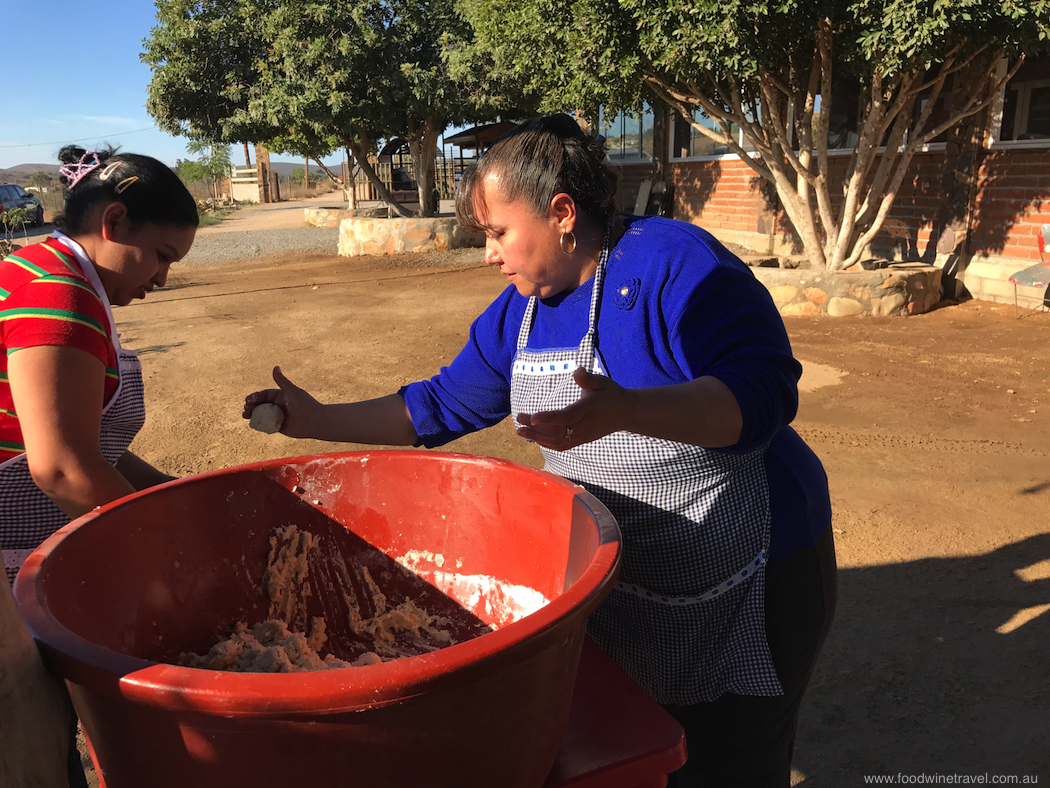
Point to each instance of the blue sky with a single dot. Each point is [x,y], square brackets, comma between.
[72,74]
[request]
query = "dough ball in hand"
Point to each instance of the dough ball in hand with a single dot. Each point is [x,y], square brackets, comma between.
[267,417]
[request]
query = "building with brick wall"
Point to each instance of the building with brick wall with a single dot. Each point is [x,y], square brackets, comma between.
[976,214]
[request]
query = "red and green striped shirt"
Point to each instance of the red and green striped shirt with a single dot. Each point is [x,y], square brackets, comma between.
[45,299]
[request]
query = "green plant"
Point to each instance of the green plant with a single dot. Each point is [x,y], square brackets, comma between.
[210,219]
[211,167]
[11,219]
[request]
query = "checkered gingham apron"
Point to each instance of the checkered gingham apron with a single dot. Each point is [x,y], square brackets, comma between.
[686,619]
[27,516]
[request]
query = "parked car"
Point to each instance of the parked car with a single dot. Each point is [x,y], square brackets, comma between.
[12,196]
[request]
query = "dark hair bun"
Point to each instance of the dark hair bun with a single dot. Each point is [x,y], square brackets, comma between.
[148,188]
[538,159]
[71,154]
[596,146]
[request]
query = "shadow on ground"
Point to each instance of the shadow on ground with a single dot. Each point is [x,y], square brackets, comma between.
[964,640]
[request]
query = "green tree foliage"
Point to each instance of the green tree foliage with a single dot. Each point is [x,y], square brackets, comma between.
[40,180]
[769,72]
[211,165]
[299,175]
[311,76]
[204,59]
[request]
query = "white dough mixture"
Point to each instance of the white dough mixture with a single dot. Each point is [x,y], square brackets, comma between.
[270,646]
[267,418]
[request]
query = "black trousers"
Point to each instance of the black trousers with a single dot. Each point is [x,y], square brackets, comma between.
[740,741]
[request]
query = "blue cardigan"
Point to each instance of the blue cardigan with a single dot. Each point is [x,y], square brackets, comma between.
[676,305]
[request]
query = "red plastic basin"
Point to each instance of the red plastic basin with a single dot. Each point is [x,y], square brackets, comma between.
[117,592]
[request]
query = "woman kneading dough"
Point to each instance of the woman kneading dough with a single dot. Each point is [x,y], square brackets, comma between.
[71,398]
[651,367]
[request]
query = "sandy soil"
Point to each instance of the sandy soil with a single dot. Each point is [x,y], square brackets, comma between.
[935,432]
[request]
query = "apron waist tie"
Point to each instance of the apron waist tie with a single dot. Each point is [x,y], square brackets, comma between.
[758,562]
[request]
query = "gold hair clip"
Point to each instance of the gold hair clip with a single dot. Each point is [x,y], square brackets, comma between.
[124,184]
[109,170]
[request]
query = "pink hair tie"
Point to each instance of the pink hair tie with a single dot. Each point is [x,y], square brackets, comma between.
[75,173]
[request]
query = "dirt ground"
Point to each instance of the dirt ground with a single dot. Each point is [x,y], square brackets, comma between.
[935,432]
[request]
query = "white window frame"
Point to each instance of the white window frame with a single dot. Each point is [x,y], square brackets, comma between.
[1024,103]
[675,117]
[642,157]
[729,155]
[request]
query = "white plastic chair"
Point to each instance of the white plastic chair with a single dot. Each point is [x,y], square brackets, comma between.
[1037,275]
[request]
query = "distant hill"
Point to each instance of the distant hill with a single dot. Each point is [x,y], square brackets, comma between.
[284,168]
[20,172]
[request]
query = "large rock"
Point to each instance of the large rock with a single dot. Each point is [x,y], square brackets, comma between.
[892,289]
[359,236]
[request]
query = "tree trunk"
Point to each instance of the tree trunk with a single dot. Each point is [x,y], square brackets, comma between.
[214,180]
[958,175]
[836,234]
[366,167]
[306,173]
[351,179]
[247,158]
[422,146]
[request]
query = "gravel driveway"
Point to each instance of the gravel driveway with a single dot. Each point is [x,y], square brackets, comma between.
[224,247]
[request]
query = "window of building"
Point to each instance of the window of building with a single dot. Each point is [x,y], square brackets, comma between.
[688,143]
[1024,114]
[628,136]
[844,123]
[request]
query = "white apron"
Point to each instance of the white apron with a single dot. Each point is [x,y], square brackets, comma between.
[27,515]
[686,619]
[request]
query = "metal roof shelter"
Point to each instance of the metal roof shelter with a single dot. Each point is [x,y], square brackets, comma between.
[479,138]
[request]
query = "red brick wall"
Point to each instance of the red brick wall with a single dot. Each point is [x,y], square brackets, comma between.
[1012,198]
[631,176]
[724,194]
[909,225]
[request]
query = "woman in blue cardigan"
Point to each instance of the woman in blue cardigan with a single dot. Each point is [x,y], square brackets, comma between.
[653,369]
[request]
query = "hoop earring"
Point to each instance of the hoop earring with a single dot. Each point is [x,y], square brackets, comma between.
[571,243]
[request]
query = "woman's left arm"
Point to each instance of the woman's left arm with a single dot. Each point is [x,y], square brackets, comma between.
[739,378]
[702,412]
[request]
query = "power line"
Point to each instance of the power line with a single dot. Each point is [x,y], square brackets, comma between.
[82,139]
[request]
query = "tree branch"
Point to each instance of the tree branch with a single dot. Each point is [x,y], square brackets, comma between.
[973,105]
[684,108]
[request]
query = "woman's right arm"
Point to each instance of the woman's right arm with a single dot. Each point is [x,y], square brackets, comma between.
[58,395]
[384,421]
[471,393]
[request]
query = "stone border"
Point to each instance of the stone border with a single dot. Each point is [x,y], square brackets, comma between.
[982,276]
[896,289]
[361,236]
[326,217]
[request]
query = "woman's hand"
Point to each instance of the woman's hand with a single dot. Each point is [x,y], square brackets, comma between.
[601,410]
[701,412]
[303,414]
[383,421]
